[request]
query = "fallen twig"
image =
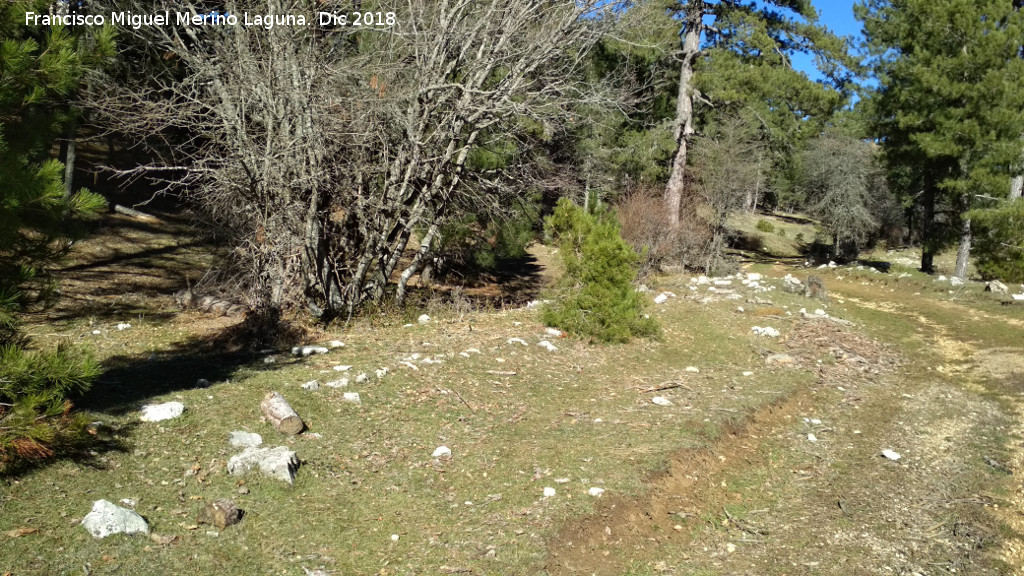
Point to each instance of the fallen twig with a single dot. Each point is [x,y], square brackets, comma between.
[744,526]
[459,396]
[666,386]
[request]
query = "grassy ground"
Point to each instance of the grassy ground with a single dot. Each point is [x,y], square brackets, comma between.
[724,481]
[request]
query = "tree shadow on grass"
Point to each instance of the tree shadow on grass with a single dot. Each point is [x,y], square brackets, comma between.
[130,381]
[87,449]
[511,282]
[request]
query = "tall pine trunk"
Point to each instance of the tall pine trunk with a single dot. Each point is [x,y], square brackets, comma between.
[928,240]
[963,252]
[684,111]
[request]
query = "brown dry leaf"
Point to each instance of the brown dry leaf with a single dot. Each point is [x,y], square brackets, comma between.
[162,540]
[19,532]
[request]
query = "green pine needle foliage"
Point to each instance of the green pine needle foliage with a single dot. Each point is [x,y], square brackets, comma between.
[596,297]
[41,67]
[47,375]
[999,241]
[36,428]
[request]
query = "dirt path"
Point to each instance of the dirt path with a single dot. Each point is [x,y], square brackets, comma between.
[802,487]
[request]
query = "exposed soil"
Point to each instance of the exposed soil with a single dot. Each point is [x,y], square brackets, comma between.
[800,487]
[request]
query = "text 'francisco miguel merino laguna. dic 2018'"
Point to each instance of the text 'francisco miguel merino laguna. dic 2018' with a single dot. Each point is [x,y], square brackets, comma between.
[168,18]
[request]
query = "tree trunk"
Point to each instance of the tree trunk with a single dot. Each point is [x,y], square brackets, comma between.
[928,240]
[963,253]
[280,414]
[1017,184]
[1017,187]
[684,110]
[69,158]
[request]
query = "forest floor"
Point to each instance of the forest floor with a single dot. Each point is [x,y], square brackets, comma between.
[762,464]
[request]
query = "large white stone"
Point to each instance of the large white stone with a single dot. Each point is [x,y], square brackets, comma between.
[165,411]
[279,462]
[108,518]
[240,439]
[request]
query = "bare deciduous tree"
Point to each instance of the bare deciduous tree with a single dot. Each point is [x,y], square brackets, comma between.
[323,152]
[729,168]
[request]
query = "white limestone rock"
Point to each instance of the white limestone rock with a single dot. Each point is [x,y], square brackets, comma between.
[309,350]
[107,518]
[240,439]
[159,412]
[280,463]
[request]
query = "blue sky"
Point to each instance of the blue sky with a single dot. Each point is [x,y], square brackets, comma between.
[837,15]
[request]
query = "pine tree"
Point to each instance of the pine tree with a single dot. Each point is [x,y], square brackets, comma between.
[39,67]
[745,50]
[948,108]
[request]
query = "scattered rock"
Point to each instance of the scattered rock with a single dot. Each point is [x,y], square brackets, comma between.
[124,326]
[547,346]
[279,462]
[812,438]
[754,277]
[240,439]
[442,452]
[941,279]
[517,341]
[766,331]
[748,373]
[337,383]
[956,281]
[661,298]
[423,319]
[997,287]
[308,350]
[352,397]
[311,385]
[221,513]
[783,359]
[596,492]
[553,332]
[335,344]
[270,360]
[661,401]
[342,368]
[107,518]
[693,369]
[894,456]
[549,492]
[361,378]
[381,373]
[165,411]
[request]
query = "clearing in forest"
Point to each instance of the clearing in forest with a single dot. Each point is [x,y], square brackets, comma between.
[762,455]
